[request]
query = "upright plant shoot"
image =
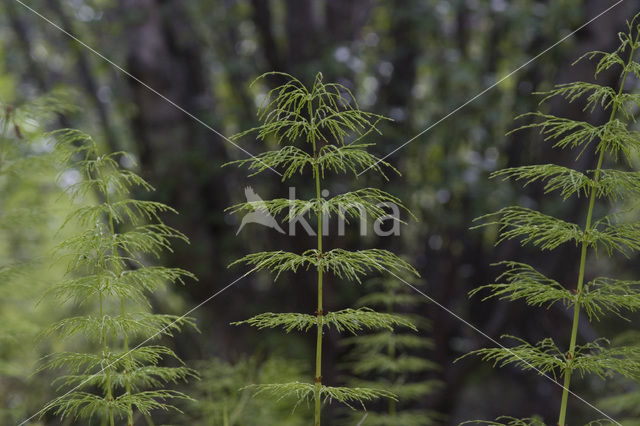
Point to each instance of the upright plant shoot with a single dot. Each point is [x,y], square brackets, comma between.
[611,143]
[319,130]
[121,373]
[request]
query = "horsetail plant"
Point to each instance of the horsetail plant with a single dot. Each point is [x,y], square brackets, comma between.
[612,142]
[109,278]
[312,126]
[392,359]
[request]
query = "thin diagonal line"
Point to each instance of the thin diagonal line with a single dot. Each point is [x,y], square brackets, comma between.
[49,405]
[476,329]
[491,87]
[151,89]
[362,419]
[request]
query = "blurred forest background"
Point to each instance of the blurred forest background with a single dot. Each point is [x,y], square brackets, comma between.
[411,60]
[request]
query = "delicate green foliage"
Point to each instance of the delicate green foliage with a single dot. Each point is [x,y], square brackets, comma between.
[346,320]
[350,265]
[594,358]
[544,231]
[628,42]
[522,281]
[565,133]
[76,361]
[132,211]
[543,357]
[548,232]
[107,272]
[292,111]
[617,185]
[510,421]
[129,284]
[289,158]
[349,205]
[288,321]
[612,141]
[363,202]
[623,238]
[305,392]
[596,94]
[613,184]
[556,178]
[138,324]
[85,405]
[352,158]
[609,295]
[327,119]
[617,139]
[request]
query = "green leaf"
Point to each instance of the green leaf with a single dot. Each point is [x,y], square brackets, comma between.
[608,295]
[291,111]
[617,184]
[524,282]
[355,320]
[541,230]
[617,140]
[604,96]
[345,264]
[352,158]
[565,132]
[621,237]
[349,320]
[356,204]
[304,392]
[555,178]
[140,324]
[289,158]
[544,357]
[509,421]
[593,358]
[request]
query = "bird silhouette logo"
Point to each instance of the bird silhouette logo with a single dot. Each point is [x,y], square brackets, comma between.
[260,214]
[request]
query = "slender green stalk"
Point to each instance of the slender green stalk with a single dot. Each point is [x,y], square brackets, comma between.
[128,366]
[106,360]
[583,254]
[118,272]
[576,307]
[319,314]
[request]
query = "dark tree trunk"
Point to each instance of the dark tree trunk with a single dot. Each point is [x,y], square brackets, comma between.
[85,73]
[396,94]
[178,154]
